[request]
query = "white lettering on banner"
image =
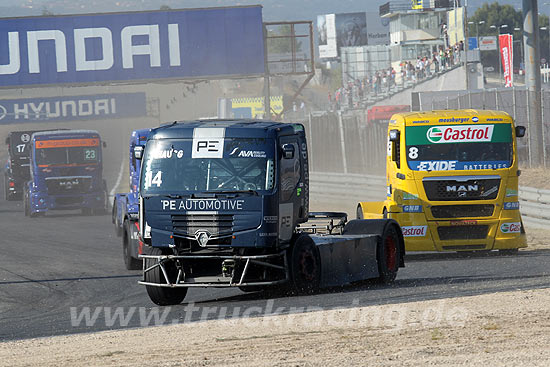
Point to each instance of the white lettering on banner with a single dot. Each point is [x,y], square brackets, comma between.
[14,58]
[129,50]
[60,49]
[437,165]
[414,231]
[511,227]
[202,204]
[79,107]
[82,63]
[460,134]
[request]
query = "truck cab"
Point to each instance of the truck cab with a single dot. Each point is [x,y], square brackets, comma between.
[225,203]
[66,170]
[452,181]
[17,169]
[125,205]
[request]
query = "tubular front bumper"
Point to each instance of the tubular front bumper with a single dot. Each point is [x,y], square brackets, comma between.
[235,280]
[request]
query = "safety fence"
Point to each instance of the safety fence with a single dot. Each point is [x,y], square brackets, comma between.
[534,203]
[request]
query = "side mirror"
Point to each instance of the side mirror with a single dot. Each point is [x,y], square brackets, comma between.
[288,151]
[520,131]
[104,144]
[138,152]
[394,135]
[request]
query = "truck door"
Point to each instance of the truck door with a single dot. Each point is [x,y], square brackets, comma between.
[396,165]
[291,186]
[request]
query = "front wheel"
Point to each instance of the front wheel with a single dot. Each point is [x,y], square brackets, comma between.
[160,295]
[130,260]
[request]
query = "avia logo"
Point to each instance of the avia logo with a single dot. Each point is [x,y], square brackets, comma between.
[462,188]
[460,134]
[510,227]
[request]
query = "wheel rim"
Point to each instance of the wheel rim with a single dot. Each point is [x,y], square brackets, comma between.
[308,265]
[391,253]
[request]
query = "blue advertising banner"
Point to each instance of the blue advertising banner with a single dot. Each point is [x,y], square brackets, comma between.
[71,108]
[131,46]
[472,43]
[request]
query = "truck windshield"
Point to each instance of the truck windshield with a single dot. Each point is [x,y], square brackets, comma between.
[67,156]
[459,147]
[170,168]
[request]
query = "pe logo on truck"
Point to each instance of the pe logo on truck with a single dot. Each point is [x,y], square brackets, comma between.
[434,134]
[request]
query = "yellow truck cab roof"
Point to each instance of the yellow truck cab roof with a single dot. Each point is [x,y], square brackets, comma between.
[450,117]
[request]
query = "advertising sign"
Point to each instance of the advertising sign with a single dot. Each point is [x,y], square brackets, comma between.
[507,56]
[131,46]
[488,43]
[253,107]
[472,43]
[350,30]
[378,30]
[71,108]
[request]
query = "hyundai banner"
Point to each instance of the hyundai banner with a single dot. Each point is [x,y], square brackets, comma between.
[72,108]
[506,55]
[192,43]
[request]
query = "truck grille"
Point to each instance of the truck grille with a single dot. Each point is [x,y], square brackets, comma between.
[462,232]
[461,211]
[68,185]
[215,224]
[451,190]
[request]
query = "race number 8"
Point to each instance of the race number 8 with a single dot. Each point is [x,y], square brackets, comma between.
[413,152]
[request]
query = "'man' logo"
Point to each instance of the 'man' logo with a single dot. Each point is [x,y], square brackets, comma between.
[462,188]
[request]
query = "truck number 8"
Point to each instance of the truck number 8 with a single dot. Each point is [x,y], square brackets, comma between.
[413,152]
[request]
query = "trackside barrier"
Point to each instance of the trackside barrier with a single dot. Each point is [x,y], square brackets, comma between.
[534,203]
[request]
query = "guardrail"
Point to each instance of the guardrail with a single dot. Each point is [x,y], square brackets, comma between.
[534,203]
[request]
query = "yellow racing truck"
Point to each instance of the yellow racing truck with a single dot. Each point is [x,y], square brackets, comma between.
[452,181]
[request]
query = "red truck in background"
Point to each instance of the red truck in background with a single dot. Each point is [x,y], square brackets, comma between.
[383,114]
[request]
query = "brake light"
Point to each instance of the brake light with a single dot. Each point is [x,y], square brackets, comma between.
[12,184]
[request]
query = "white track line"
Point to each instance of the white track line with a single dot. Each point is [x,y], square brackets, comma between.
[119,178]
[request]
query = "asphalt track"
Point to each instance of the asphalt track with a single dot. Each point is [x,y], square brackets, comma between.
[65,261]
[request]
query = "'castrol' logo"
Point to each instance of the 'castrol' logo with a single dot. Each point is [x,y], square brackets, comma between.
[510,227]
[414,231]
[460,133]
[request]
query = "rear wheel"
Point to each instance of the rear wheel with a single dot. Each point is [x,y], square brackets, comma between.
[130,261]
[388,255]
[305,266]
[160,295]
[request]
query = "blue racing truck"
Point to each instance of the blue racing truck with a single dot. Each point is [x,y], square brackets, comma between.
[225,203]
[125,205]
[66,173]
[17,171]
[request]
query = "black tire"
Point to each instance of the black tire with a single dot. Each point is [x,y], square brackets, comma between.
[26,204]
[305,266]
[130,261]
[6,189]
[390,248]
[160,295]
[388,254]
